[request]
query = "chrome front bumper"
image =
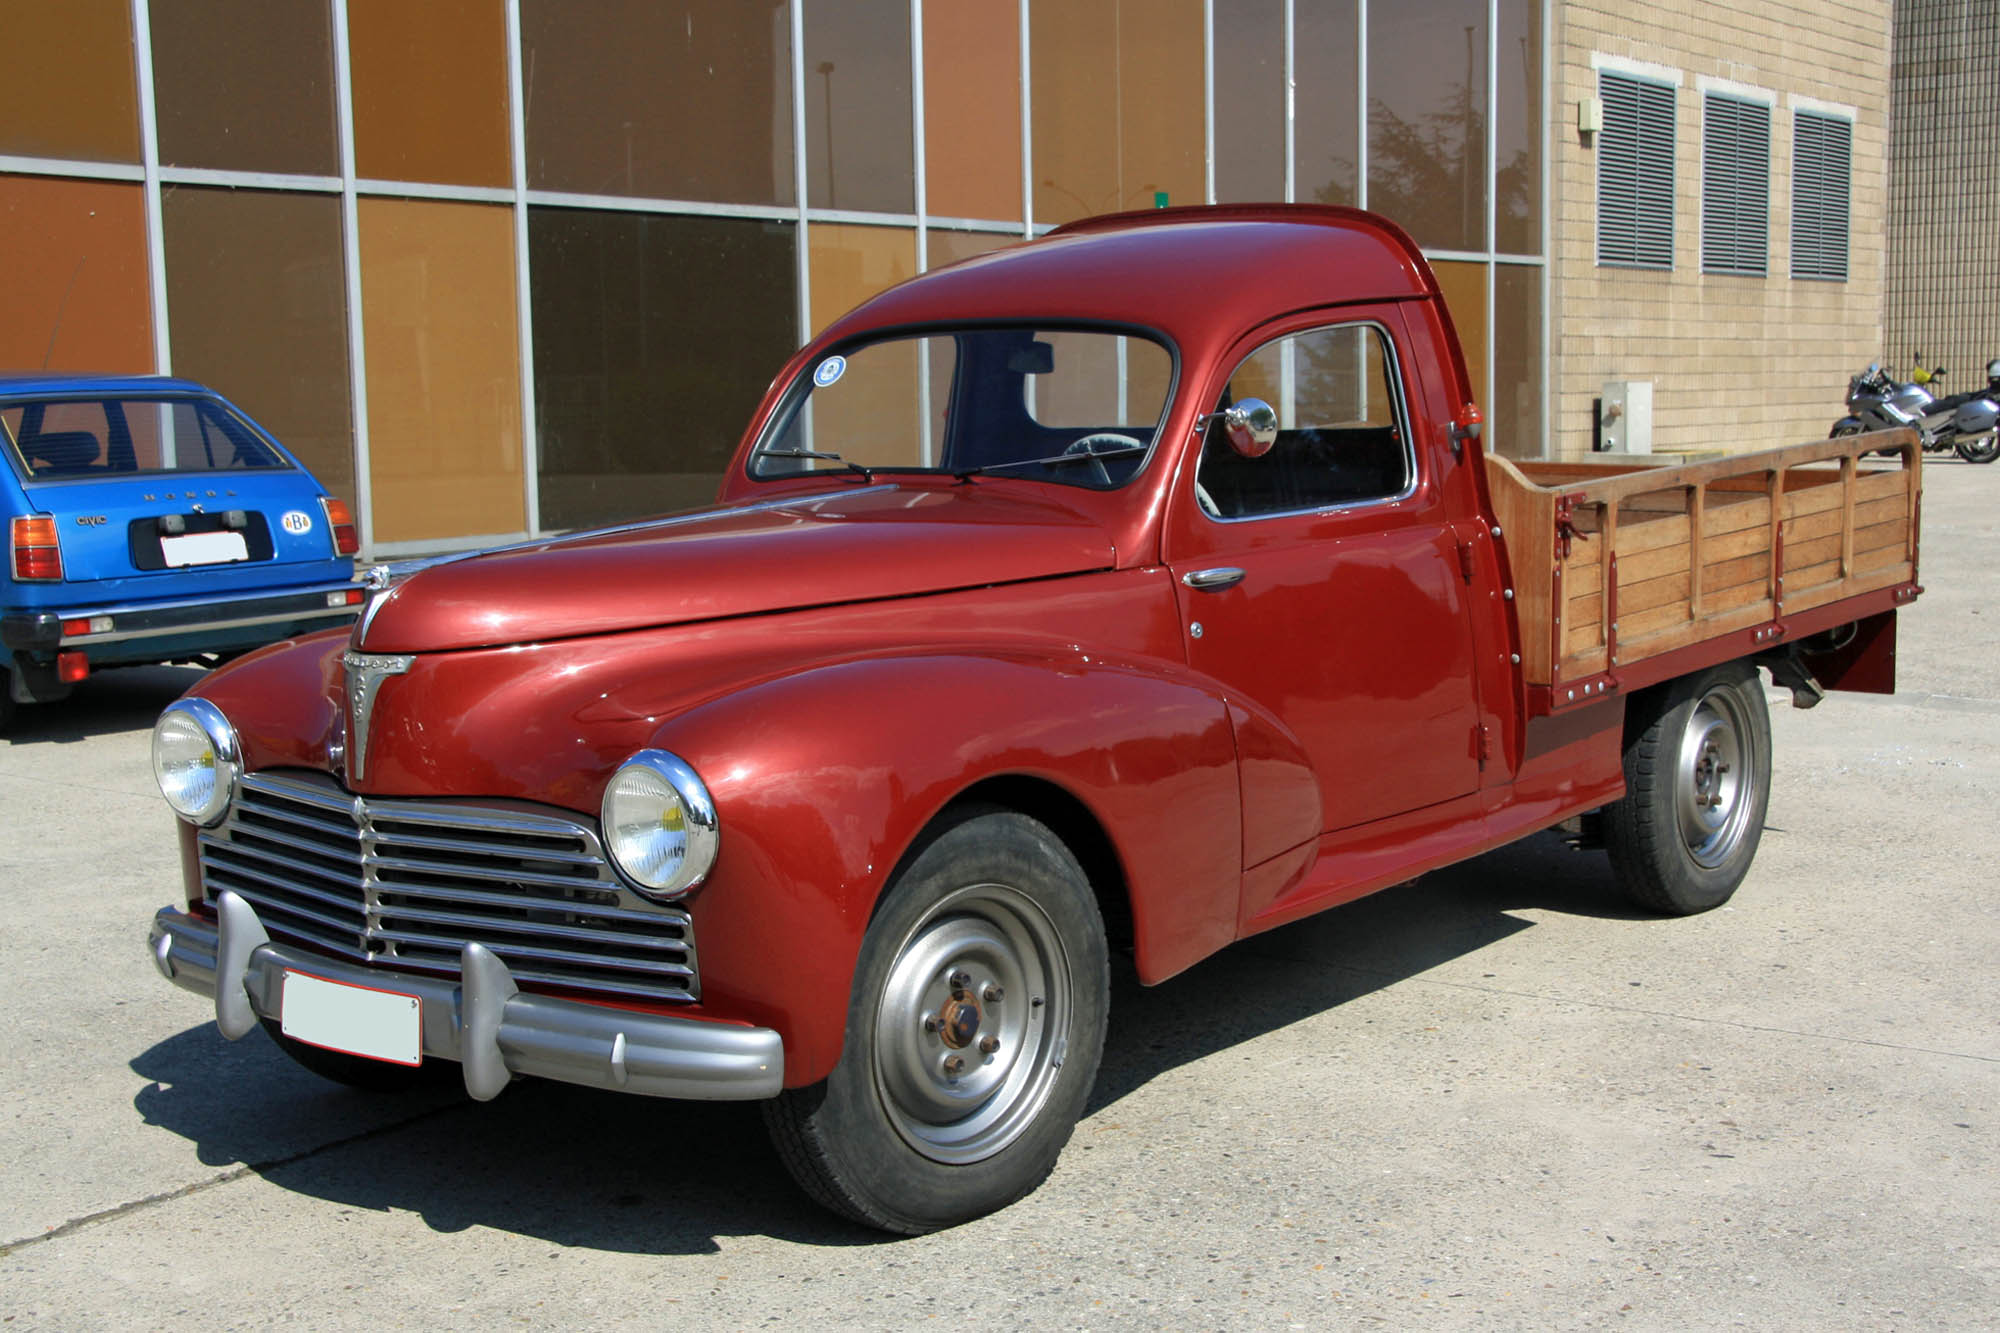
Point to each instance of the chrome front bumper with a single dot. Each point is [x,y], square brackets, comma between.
[482,1019]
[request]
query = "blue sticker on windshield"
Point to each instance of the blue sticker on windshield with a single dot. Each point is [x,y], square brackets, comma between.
[829,371]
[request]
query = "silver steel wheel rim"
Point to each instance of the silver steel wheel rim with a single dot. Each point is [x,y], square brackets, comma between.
[1714,793]
[973,1024]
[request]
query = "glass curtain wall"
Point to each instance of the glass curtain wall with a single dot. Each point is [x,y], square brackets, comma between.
[503,267]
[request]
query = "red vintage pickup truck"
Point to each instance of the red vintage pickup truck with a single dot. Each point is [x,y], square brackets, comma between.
[1143,587]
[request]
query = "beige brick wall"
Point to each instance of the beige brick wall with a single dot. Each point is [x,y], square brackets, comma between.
[1736,363]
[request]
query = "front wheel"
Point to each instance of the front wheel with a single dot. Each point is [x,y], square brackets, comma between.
[974,1031]
[1697,782]
[1980,448]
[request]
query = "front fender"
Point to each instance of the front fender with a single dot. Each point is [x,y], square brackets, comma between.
[824,780]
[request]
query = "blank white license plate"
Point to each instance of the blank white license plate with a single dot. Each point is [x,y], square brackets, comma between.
[380,1024]
[204,548]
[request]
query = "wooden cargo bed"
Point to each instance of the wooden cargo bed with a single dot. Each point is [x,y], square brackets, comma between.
[1614,564]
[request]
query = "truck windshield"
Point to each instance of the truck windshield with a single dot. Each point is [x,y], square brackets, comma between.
[1079,407]
[63,439]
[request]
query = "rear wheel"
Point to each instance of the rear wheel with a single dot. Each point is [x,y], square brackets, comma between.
[973,1035]
[6,698]
[1981,448]
[1697,782]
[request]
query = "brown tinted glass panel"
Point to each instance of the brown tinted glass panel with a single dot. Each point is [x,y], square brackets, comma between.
[683,100]
[82,303]
[858,110]
[948,247]
[245,85]
[1516,409]
[852,263]
[259,305]
[1518,129]
[1427,119]
[444,384]
[654,340]
[1118,118]
[69,89]
[1249,100]
[430,91]
[1464,288]
[972,109]
[1326,106]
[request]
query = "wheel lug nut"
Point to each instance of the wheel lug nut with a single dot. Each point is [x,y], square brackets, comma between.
[988,1045]
[930,1023]
[992,994]
[954,1065]
[960,980]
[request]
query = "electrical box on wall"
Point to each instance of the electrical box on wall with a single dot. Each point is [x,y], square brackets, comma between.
[1626,420]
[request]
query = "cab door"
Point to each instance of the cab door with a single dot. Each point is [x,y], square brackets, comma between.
[1320,583]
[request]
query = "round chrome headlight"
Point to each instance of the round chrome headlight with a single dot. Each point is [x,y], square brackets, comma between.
[196,760]
[659,824]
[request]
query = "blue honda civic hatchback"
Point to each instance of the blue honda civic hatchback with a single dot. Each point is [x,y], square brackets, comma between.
[149,520]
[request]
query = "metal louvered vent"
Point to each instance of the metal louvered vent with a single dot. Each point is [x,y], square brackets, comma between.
[1635,172]
[1822,161]
[1735,186]
[406,884]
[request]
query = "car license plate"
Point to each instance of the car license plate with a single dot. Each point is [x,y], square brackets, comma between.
[203,548]
[380,1024]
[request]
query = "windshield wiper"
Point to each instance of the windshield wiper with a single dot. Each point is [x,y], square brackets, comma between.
[867,474]
[1054,460]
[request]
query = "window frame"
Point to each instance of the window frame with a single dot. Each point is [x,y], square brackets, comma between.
[1399,402]
[1650,204]
[1728,195]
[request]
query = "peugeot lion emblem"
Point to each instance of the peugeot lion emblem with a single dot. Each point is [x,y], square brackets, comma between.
[364,676]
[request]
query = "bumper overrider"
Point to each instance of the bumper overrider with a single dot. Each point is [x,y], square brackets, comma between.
[482,1019]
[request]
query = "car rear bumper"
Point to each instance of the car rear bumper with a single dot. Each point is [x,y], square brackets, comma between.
[480,1019]
[135,624]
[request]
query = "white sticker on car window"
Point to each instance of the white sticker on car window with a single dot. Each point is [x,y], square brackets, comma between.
[830,370]
[297,522]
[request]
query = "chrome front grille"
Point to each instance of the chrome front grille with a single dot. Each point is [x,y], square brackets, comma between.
[406,884]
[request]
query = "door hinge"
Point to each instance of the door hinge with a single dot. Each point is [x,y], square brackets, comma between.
[1465,560]
[1482,743]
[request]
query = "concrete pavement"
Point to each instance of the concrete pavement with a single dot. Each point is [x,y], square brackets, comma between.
[1493,1099]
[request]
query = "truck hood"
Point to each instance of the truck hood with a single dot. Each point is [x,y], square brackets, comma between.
[821,549]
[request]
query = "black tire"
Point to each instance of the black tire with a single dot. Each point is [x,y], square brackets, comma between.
[1980,449]
[990,933]
[1697,783]
[358,1071]
[6,699]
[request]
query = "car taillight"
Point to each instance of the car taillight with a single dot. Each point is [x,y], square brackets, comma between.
[341,520]
[37,558]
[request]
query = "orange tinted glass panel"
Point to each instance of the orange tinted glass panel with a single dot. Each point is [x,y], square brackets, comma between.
[259,303]
[852,263]
[688,100]
[1250,100]
[444,383]
[82,303]
[1118,118]
[948,247]
[859,134]
[430,91]
[1516,409]
[245,85]
[68,89]
[1464,288]
[972,110]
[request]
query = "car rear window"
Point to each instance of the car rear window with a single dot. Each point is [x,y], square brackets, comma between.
[77,438]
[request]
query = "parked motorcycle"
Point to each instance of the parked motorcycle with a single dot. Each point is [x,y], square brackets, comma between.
[1967,424]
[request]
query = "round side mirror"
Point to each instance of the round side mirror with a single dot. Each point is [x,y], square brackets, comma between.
[1251,427]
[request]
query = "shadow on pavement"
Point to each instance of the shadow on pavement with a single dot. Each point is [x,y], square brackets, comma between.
[121,699]
[576,1167]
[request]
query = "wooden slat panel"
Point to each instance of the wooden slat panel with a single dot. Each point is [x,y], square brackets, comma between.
[1636,597]
[1815,501]
[1649,533]
[1653,564]
[1877,536]
[1731,514]
[1725,574]
[1802,576]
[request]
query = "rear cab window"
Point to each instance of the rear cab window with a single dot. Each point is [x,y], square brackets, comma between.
[74,439]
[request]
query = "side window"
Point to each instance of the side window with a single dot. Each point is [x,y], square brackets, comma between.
[1340,427]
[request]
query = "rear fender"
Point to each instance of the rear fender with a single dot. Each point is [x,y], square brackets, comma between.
[824,781]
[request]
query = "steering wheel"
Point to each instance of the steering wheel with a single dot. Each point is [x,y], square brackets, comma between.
[1106,440]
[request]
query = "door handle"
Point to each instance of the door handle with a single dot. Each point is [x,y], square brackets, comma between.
[1213,580]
